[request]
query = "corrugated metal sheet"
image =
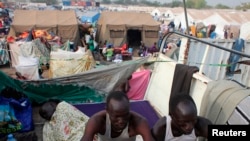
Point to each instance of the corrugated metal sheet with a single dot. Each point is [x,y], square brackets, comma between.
[215,63]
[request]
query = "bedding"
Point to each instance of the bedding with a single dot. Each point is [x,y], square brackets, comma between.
[142,107]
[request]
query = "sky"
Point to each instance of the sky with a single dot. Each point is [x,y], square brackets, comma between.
[230,3]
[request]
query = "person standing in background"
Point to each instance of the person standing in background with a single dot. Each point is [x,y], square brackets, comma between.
[91,44]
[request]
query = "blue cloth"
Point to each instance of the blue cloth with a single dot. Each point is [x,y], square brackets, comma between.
[213,35]
[234,58]
[8,121]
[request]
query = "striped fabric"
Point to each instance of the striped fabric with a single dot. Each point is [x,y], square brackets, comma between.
[241,114]
[4,56]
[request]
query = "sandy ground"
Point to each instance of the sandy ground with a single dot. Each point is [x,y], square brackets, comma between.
[8,70]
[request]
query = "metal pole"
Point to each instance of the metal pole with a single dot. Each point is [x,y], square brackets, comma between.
[202,41]
[185,11]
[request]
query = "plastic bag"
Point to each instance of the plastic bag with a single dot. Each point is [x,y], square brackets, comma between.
[8,121]
[23,112]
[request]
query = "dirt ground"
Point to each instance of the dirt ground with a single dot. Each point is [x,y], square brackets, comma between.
[8,70]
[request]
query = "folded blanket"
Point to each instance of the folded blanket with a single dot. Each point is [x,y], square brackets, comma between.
[66,124]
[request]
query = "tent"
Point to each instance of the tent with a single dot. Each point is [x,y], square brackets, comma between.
[62,23]
[244,31]
[113,27]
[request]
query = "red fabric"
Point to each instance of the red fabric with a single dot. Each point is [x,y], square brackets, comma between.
[124,47]
[1,24]
[24,35]
[138,85]
[11,39]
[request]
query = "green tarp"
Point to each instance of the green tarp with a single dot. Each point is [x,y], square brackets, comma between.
[41,92]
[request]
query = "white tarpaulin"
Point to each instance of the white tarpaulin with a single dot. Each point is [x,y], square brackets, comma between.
[28,67]
[64,63]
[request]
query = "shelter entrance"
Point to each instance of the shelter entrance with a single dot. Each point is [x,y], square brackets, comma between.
[134,37]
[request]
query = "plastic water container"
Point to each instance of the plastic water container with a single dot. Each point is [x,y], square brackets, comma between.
[11,138]
[130,50]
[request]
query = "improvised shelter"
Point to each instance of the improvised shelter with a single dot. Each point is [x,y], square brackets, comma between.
[63,23]
[118,29]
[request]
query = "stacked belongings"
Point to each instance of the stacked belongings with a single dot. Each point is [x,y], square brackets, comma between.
[123,50]
[26,48]
[31,55]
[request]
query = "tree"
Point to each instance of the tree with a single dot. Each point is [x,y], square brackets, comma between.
[190,3]
[198,4]
[106,1]
[221,6]
[119,2]
[243,6]
[176,3]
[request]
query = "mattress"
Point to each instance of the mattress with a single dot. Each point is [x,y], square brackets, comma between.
[141,107]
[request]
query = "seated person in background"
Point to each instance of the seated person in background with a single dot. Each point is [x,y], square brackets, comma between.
[142,50]
[63,121]
[117,122]
[182,123]
[153,49]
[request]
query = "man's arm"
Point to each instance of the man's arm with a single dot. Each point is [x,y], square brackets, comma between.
[141,126]
[159,129]
[93,127]
[202,127]
[143,129]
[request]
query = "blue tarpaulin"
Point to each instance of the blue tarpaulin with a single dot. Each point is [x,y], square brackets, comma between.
[66,2]
[88,3]
[90,16]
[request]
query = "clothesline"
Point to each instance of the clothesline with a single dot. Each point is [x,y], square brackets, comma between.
[217,65]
